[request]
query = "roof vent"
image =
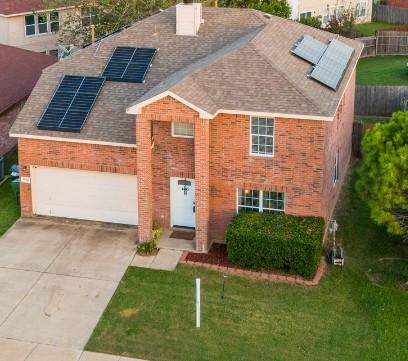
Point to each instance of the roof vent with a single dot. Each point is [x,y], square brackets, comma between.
[188,18]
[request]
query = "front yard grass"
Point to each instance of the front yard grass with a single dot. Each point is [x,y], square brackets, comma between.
[9,208]
[369,29]
[383,70]
[356,313]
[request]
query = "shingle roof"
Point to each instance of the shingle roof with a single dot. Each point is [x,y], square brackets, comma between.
[240,60]
[18,77]
[11,7]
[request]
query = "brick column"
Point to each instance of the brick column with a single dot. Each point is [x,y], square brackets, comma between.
[144,178]
[202,182]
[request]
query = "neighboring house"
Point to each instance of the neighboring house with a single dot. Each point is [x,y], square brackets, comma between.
[398,3]
[326,9]
[19,71]
[226,120]
[26,24]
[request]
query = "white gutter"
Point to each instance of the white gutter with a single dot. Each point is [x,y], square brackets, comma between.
[71,140]
[138,108]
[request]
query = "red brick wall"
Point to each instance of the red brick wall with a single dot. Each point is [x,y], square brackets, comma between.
[338,137]
[172,157]
[6,121]
[398,3]
[295,169]
[90,157]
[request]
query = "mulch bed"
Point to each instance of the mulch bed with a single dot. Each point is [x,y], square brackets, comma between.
[216,255]
[217,259]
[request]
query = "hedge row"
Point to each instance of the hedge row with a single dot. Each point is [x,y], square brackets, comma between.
[276,241]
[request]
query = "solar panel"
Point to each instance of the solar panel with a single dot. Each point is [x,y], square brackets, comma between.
[333,64]
[71,104]
[309,49]
[129,64]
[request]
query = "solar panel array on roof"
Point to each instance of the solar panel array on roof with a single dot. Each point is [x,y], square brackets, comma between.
[71,104]
[309,49]
[129,64]
[333,64]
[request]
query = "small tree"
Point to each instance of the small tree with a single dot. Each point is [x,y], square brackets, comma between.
[383,182]
[313,21]
[106,16]
[342,23]
[275,7]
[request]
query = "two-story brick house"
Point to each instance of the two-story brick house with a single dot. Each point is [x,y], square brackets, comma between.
[29,25]
[227,120]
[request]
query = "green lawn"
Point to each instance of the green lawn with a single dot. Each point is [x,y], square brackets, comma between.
[9,209]
[357,313]
[383,70]
[369,29]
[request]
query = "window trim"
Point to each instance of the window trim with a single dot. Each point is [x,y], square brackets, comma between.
[335,169]
[273,139]
[261,207]
[182,136]
[36,24]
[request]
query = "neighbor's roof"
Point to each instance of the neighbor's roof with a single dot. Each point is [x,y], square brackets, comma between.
[239,62]
[11,7]
[20,70]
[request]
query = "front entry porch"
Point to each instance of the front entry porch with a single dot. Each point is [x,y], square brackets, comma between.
[182,239]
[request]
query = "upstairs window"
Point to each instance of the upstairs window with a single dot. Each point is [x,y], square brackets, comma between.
[250,200]
[182,130]
[262,136]
[305,15]
[54,22]
[41,24]
[30,25]
[88,18]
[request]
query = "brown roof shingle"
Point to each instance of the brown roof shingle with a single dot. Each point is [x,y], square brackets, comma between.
[19,72]
[11,7]
[240,60]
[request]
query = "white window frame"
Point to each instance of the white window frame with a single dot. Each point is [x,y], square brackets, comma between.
[173,134]
[36,24]
[89,16]
[268,155]
[335,169]
[261,208]
[305,14]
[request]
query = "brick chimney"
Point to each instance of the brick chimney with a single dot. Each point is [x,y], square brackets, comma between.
[189,17]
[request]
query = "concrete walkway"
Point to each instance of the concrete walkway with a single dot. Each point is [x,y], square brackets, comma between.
[56,279]
[166,260]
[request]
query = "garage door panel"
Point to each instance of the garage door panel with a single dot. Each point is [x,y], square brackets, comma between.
[97,196]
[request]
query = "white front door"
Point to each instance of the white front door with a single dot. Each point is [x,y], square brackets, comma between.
[182,199]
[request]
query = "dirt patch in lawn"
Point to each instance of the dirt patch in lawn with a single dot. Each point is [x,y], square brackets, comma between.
[128,312]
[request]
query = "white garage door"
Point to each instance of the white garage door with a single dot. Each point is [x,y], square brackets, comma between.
[96,196]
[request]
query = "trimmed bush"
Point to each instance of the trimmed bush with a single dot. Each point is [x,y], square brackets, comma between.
[276,241]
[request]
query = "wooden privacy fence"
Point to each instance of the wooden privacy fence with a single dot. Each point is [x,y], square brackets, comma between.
[390,14]
[379,100]
[385,42]
[359,130]
[370,46]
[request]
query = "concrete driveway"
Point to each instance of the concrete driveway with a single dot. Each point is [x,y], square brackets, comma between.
[56,278]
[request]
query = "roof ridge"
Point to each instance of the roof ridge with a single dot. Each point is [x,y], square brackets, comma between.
[259,52]
[202,63]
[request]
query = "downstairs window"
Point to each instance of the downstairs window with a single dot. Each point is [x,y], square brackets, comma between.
[250,200]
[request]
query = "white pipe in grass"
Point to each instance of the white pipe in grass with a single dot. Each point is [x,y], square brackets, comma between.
[198,303]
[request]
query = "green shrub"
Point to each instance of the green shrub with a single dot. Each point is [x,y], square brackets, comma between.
[150,247]
[313,21]
[276,241]
[147,248]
